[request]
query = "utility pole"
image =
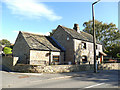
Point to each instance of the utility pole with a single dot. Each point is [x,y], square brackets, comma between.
[94,37]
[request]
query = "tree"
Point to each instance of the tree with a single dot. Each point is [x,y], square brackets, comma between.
[5,42]
[105,33]
[113,50]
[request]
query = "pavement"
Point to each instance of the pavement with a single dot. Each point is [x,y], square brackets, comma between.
[15,79]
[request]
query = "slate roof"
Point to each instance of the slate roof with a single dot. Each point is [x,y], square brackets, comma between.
[41,42]
[80,36]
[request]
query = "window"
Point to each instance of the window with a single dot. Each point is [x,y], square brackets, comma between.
[68,38]
[83,45]
[47,54]
[55,58]
[96,46]
[84,59]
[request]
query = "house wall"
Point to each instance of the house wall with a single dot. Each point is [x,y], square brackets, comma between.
[42,57]
[79,52]
[60,54]
[61,36]
[21,49]
[97,52]
[38,57]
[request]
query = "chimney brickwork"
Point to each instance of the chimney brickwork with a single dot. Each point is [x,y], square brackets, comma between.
[76,28]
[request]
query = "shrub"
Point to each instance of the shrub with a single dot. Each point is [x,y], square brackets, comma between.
[7,50]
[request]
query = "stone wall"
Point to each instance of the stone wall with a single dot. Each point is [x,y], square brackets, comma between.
[7,61]
[109,66]
[62,38]
[21,49]
[43,57]
[52,68]
[38,57]
[64,68]
[79,52]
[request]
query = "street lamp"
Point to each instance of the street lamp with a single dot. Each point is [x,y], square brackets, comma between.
[94,37]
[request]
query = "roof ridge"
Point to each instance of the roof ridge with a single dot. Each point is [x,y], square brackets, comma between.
[77,32]
[86,33]
[31,33]
[66,27]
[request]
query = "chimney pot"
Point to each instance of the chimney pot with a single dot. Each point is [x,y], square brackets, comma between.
[76,27]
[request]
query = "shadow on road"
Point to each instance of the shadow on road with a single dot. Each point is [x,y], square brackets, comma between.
[111,77]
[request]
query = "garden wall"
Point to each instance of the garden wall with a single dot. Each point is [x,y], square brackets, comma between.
[9,63]
[53,68]
[65,68]
[109,66]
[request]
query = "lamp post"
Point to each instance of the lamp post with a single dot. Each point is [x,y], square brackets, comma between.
[94,37]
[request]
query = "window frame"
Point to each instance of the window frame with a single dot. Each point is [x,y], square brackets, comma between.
[85,60]
[83,45]
[54,58]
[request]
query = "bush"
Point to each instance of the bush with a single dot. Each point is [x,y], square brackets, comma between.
[7,50]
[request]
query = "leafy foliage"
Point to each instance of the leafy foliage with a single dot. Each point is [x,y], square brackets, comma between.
[113,50]
[118,55]
[7,50]
[105,33]
[5,42]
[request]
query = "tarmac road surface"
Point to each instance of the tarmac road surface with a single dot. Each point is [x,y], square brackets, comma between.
[103,79]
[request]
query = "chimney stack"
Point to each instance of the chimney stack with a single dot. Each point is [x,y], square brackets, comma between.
[76,28]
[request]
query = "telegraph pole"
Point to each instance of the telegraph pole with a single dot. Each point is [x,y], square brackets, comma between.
[94,37]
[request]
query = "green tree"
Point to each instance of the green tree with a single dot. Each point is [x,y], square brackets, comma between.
[7,50]
[113,50]
[105,33]
[5,42]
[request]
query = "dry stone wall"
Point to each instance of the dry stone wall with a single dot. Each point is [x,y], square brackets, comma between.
[8,62]
[53,68]
[109,66]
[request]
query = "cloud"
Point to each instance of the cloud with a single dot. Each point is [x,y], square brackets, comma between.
[15,31]
[31,9]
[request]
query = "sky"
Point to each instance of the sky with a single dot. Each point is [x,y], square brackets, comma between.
[42,17]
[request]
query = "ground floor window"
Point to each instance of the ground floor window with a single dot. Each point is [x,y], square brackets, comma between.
[55,58]
[84,59]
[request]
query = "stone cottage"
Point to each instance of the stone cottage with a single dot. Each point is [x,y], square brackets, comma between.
[78,45]
[37,49]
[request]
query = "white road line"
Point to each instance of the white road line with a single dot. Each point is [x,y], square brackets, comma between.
[94,85]
[36,74]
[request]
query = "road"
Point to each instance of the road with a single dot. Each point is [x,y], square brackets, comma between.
[103,79]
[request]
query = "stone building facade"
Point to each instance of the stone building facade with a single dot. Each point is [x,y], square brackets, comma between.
[65,46]
[37,49]
[78,45]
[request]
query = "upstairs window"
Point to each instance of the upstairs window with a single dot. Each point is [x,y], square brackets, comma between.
[96,46]
[83,45]
[68,38]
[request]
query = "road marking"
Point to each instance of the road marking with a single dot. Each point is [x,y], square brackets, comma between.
[36,74]
[94,85]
